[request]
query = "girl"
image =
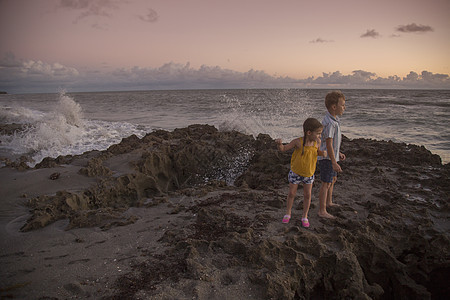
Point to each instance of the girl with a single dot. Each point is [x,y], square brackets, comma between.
[303,165]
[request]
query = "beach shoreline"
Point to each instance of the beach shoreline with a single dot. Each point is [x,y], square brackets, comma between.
[196,213]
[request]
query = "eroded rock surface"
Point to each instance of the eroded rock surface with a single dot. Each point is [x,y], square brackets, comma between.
[390,239]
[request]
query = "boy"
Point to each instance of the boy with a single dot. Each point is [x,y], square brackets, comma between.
[331,142]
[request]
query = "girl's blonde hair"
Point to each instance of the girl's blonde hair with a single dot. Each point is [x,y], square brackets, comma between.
[310,124]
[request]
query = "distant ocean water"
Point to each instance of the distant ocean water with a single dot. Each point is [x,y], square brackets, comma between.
[62,124]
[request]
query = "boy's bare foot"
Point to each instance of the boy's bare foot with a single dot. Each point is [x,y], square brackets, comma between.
[333,204]
[326,215]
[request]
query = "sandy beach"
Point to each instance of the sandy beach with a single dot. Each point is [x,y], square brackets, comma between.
[196,214]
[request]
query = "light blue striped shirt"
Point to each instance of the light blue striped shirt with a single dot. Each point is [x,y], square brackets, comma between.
[331,129]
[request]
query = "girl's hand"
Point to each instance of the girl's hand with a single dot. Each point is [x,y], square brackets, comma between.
[342,156]
[279,143]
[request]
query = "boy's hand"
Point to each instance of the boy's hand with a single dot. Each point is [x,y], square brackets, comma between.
[336,167]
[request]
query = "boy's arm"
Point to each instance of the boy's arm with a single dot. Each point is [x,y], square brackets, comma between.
[331,155]
[292,144]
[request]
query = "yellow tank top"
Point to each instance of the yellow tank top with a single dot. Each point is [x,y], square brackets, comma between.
[304,164]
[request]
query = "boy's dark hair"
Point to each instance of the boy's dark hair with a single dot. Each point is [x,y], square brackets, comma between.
[310,124]
[332,98]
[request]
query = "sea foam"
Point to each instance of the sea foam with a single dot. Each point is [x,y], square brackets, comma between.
[278,113]
[62,131]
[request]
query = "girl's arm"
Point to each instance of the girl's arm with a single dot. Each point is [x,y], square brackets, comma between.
[294,143]
[321,153]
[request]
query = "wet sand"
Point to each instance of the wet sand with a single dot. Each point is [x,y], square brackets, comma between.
[196,214]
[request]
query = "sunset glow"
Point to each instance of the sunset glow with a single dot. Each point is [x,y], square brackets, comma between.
[111,44]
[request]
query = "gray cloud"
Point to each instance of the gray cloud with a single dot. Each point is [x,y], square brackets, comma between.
[53,70]
[174,75]
[31,76]
[320,40]
[364,79]
[357,77]
[99,26]
[24,75]
[413,27]
[100,8]
[370,33]
[9,61]
[87,8]
[364,75]
[412,76]
[428,76]
[151,16]
[10,64]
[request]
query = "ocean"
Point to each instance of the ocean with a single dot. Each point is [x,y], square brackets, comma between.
[72,123]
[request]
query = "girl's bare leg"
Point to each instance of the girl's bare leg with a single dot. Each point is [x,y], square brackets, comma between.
[307,188]
[290,198]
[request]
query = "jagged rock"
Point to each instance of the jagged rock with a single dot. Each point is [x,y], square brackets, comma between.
[388,242]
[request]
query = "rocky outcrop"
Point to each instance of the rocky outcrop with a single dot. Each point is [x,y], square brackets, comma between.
[227,192]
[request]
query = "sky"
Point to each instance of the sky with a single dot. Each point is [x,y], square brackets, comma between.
[107,45]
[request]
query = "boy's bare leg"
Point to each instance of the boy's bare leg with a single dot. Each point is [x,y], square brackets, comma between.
[323,195]
[291,197]
[330,194]
[307,188]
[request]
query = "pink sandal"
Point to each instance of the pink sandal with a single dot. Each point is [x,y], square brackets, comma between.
[286,218]
[305,222]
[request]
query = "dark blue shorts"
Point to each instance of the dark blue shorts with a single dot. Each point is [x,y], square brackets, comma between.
[326,170]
